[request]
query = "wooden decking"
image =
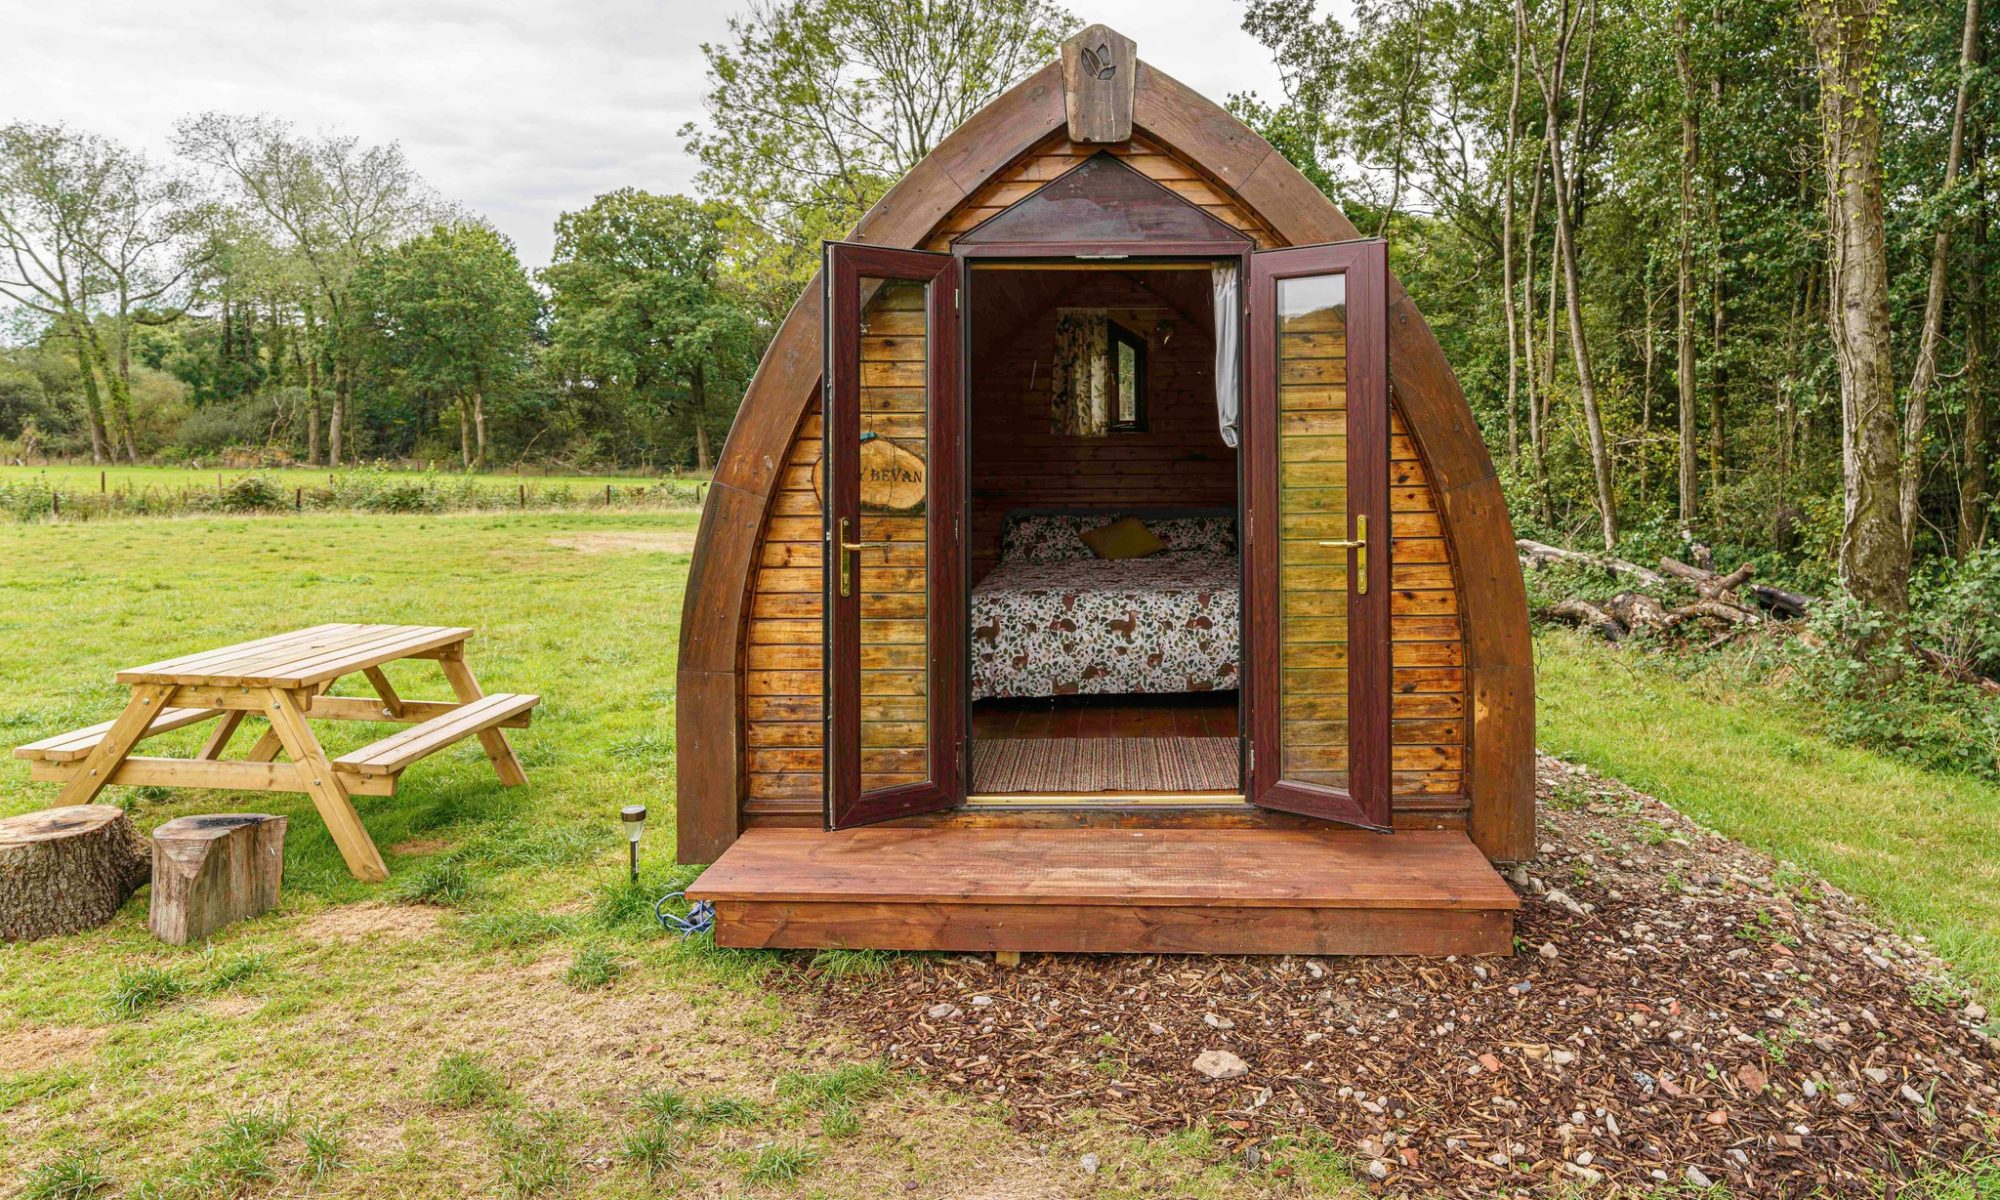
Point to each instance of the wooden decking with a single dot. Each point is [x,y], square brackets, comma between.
[1175,891]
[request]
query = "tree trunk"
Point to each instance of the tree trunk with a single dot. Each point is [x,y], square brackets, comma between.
[121,395]
[1586,383]
[337,421]
[1923,376]
[312,403]
[63,870]
[701,457]
[1684,271]
[93,403]
[1874,559]
[1507,261]
[1976,478]
[478,429]
[464,433]
[209,871]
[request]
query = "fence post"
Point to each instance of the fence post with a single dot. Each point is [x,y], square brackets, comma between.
[55,504]
[607,495]
[100,483]
[298,500]
[524,492]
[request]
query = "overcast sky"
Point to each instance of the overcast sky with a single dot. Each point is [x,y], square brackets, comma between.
[518,110]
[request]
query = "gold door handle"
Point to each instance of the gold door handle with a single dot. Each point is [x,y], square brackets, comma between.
[846,548]
[1358,544]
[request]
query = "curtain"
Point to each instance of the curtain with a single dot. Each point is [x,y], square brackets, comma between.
[1080,378]
[1228,313]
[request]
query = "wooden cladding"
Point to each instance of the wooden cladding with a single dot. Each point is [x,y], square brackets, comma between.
[782,744]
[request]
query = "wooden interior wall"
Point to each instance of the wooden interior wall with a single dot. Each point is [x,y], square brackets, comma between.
[1019,462]
[781,706]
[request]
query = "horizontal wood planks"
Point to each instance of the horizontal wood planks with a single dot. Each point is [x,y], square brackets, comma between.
[1306,890]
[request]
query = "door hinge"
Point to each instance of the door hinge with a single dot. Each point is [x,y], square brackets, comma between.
[1253,756]
[954,299]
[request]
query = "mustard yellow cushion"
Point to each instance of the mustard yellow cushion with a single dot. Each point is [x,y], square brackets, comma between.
[1126,538]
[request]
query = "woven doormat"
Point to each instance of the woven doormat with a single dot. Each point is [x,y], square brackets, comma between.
[1151,764]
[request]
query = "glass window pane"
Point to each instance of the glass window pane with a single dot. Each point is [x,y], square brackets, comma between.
[1128,383]
[1312,510]
[891,579]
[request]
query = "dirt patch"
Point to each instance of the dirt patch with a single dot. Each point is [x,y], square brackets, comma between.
[422,845]
[351,923]
[627,542]
[38,1047]
[1682,1009]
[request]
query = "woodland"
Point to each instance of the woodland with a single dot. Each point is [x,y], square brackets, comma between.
[1710,274]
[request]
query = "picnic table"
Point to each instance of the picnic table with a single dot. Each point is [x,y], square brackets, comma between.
[285,680]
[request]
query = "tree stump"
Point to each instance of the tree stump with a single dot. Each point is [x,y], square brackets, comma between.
[209,871]
[63,870]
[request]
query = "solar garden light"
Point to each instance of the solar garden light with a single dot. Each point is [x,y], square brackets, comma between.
[634,816]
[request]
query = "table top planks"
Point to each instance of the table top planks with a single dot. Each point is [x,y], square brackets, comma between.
[301,658]
[1267,868]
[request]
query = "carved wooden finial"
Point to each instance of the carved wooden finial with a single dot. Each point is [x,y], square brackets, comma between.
[1099,68]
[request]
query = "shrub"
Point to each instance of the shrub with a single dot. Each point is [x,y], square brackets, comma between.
[137,990]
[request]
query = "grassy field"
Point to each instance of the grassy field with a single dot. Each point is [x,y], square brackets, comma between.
[84,478]
[504,1017]
[1923,846]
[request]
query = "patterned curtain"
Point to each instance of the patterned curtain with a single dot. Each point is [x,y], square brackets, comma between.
[1080,379]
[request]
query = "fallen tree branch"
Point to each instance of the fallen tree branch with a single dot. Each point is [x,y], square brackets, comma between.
[1585,615]
[1539,554]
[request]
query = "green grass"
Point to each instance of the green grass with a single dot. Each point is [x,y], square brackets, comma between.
[466,1081]
[1922,846]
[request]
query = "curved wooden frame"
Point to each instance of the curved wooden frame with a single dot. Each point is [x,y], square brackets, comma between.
[1499,654]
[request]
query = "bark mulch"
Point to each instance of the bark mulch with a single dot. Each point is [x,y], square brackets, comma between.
[1681,1010]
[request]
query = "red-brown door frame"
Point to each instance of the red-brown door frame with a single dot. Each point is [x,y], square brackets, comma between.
[1366,799]
[846,265]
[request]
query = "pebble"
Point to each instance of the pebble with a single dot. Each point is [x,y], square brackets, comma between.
[938,1012]
[981,1001]
[1089,1163]
[1975,1012]
[1875,1074]
[1156,1029]
[1912,1095]
[1491,1063]
[1220,1064]
[1562,1058]
[1216,1022]
[1378,1170]
[1549,950]
[1697,1179]
[1810,1088]
[1847,1100]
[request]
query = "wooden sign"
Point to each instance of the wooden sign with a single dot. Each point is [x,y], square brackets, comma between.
[893,477]
[1099,66]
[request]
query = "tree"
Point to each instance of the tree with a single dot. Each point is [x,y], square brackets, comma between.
[330,201]
[1847,38]
[639,308]
[52,192]
[816,106]
[452,314]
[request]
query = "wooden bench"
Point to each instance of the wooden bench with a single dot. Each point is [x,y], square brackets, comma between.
[389,756]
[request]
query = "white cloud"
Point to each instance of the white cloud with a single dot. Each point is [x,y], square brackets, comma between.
[516,110]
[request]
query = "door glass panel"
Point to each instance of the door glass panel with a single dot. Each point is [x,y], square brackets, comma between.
[1313,510]
[891,580]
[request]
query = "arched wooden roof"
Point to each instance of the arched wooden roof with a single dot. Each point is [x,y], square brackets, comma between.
[1498,649]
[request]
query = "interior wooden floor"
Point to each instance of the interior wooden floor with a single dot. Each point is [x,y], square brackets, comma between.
[1145,890]
[1187,714]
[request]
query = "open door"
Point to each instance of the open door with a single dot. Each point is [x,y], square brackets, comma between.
[1316,474]
[894,569]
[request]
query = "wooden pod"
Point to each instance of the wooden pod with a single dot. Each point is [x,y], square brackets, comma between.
[751,732]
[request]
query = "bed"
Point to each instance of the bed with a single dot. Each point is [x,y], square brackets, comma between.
[1052,619]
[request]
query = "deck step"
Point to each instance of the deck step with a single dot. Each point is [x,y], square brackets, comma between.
[78,743]
[1196,891]
[399,750]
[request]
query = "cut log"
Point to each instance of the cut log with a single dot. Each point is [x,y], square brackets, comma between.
[209,871]
[1585,615]
[1779,601]
[1637,611]
[1538,554]
[63,870]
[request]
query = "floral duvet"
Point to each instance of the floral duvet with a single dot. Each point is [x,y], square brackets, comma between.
[1167,623]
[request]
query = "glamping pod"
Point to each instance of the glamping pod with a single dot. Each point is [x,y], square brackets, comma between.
[1105,559]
